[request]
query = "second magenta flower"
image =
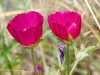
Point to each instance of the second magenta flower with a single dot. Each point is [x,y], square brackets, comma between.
[64,23]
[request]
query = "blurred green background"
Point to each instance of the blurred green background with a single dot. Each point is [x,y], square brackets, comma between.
[19,59]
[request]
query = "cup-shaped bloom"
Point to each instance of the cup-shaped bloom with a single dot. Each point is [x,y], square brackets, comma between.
[39,69]
[26,28]
[61,48]
[64,23]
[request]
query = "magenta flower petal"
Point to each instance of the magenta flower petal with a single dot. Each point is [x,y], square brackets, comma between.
[39,69]
[26,28]
[64,23]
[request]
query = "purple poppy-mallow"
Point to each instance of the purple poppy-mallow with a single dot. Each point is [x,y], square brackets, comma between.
[39,69]
[65,23]
[26,28]
[61,48]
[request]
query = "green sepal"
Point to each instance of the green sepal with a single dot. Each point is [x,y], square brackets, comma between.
[70,38]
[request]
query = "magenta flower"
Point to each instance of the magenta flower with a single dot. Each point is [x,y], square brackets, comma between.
[26,28]
[39,70]
[64,23]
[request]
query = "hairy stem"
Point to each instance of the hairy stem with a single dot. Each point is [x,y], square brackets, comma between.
[67,58]
[73,67]
[33,61]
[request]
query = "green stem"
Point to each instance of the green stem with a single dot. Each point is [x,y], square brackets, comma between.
[10,65]
[21,67]
[32,52]
[73,67]
[67,60]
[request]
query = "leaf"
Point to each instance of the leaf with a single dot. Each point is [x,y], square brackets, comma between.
[27,5]
[48,32]
[84,53]
[73,63]
[57,53]
[81,55]
[86,44]
[75,50]
[13,45]
[89,57]
[2,59]
[85,33]
[58,67]
[14,63]
[88,72]
[90,49]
